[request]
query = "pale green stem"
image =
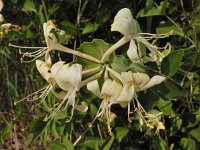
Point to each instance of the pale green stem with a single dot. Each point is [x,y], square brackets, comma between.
[121,42]
[90,70]
[62,48]
[92,78]
[113,72]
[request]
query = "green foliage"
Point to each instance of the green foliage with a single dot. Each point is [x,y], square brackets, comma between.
[86,26]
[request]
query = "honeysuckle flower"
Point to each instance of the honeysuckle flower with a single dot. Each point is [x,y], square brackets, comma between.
[68,79]
[126,25]
[52,44]
[135,82]
[109,93]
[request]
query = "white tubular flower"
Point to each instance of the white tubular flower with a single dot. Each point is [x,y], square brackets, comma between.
[135,82]
[127,26]
[109,93]
[68,79]
[133,52]
[123,22]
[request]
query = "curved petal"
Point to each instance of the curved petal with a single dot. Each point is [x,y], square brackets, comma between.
[140,80]
[75,73]
[60,73]
[93,86]
[155,80]
[111,89]
[127,77]
[44,69]
[126,95]
[123,22]
[83,107]
[50,38]
[132,52]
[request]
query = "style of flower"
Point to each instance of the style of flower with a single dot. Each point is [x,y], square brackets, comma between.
[68,79]
[127,26]
[109,93]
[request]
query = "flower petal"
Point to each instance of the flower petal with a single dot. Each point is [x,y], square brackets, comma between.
[140,80]
[83,107]
[60,73]
[127,77]
[44,69]
[126,94]
[132,52]
[155,80]
[93,86]
[111,89]
[75,75]
[123,22]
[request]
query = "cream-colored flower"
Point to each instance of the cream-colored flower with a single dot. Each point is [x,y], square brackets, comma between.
[127,26]
[135,82]
[124,22]
[68,79]
[109,93]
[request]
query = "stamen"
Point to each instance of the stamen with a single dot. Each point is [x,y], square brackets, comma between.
[31,95]
[24,47]
[59,106]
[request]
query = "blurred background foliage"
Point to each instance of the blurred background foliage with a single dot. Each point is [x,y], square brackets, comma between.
[83,20]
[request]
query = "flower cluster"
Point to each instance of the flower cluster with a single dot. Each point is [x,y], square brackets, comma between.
[117,88]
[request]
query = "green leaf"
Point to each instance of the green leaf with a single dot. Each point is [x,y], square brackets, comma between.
[158,143]
[67,142]
[165,28]
[176,124]
[191,144]
[36,130]
[184,142]
[91,142]
[90,27]
[165,107]
[12,91]
[172,62]
[56,146]
[29,6]
[197,62]
[96,48]
[54,129]
[195,133]
[93,110]
[5,132]
[121,132]
[153,11]
[108,143]
[120,63]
